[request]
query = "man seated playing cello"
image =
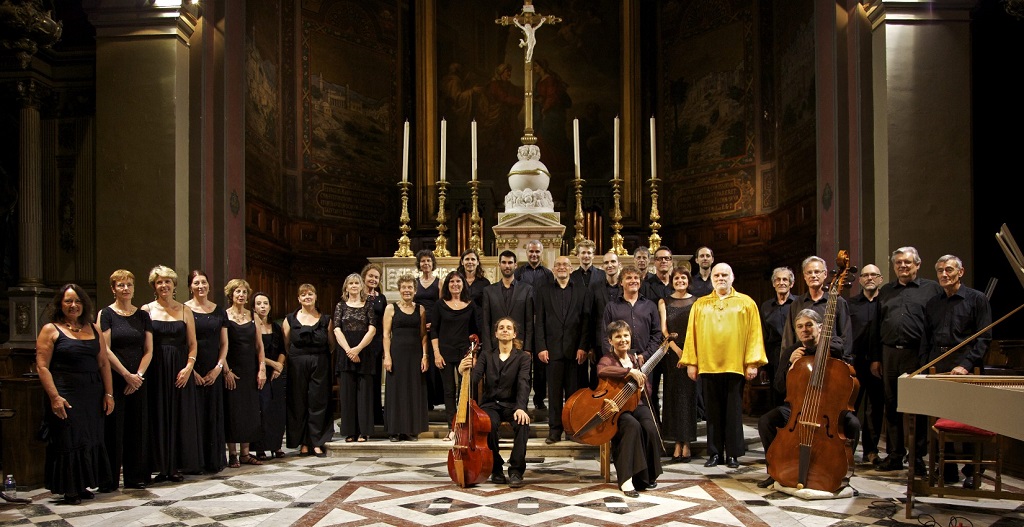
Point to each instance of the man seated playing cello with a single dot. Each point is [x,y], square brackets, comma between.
[506,375]
[636,446]
[808,329]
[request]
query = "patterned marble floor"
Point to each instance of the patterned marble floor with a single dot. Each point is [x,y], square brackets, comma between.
[357,491]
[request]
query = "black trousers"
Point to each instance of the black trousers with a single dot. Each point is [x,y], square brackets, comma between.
[309,412]
[517,459]
[636,448]
[895,362]
[870,407]
[356,399]
[723,400]
[563,381]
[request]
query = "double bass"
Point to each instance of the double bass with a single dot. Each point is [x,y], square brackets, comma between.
[470,459]
[819,389]
[588,420]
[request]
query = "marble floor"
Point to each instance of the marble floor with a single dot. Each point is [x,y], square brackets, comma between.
[361,489]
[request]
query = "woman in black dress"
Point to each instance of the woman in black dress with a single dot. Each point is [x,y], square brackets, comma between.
[244,377]
[307,337]
[371,274]
[405,359]
[272,396]
[428,292]
[679,416]
[455,319]
[175,444]
[128,333]
[355,324]
[75,375]
[476,281]
[211,364]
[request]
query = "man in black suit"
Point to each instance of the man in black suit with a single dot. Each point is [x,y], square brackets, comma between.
[508,298]
[563,318]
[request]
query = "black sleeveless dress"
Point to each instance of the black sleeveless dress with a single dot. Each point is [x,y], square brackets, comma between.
[127,427]
[405,389]
[211,398]
[272,396]
[76,457]
[242,405]
[679,415]
[172,411]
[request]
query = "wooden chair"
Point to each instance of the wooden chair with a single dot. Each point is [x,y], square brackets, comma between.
[605,459]
[945,431]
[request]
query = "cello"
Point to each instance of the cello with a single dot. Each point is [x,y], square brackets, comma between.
[818,389]
[470,459]
[588,420]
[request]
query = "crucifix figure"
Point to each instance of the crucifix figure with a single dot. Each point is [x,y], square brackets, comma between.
[528,21]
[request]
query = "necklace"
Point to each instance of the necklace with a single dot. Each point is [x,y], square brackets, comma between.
[72,328]
[123,312]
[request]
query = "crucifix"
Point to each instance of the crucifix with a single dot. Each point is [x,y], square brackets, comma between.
[528,21]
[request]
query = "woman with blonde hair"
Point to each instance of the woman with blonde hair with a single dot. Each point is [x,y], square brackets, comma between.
[355,324]
[176,447]
[245,378]
[128,333]
[307,337]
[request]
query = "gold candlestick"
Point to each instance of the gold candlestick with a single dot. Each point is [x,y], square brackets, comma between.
[617,247]
[578,183]
[654,241]
[474,220]
[442,243]
[403,241]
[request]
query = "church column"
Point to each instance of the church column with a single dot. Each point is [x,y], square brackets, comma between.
[928,60]
[142,140]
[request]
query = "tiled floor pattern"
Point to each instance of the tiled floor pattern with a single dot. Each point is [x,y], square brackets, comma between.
[310,491]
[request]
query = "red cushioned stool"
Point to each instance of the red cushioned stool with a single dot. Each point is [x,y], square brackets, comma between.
[947,430]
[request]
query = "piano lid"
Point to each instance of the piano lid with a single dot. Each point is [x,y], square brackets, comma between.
[990,402]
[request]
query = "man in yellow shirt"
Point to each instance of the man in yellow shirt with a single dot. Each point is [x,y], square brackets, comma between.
[724,346]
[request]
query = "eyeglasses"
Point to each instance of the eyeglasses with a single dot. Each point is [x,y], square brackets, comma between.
[663,258]
[870,275]
[814,271]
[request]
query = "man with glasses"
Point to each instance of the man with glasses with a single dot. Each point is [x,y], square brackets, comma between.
[563,321]
[774,313]
[870,405]
[659,284]
[901,305]
[816,298]
[701,284]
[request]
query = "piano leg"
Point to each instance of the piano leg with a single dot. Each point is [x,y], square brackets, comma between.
[909,423]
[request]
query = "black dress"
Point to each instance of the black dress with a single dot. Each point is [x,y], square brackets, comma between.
[679,417]
[242,405]
[172,412]
[272,396]
[355,379]
[427,297]
[211,398]
[405,386]
[127,446]
[309,383]
[75,455]
[452,328]
[379,303]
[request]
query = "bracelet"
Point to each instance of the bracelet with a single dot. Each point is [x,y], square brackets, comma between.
[139,375]
[193,359]
[220,365]
[110,395]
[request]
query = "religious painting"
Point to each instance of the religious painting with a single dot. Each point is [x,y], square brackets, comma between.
[707,107]
[576,75]
[262,101]
[349,73]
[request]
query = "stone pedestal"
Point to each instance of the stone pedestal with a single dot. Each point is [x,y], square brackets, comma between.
[515,229]
[27,304]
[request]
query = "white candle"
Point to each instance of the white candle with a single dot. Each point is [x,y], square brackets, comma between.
[615,168]
[576,145]
[405,154]
[472,133]
[654,163]
[444,147]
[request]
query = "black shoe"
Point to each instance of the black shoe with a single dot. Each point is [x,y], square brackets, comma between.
[107,488]
[71,500]
[134,485]
[890,463]
[499,478]
[766,482]
[515,480]
[969,482]
[395,438]
[651,485]
[631,494]
[552,439]
[87,494]
[176,477]
[919,469]
[712,461]
[732,462]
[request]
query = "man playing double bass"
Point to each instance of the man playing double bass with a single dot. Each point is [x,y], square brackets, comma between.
[807,326]
[506,375]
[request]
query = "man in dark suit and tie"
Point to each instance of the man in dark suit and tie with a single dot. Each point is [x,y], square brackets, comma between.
[563,318]
[511,298]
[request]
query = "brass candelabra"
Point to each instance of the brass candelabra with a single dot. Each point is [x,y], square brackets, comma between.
[441,241]
[474,220]
[403,241]
[578,183]
[616,220]
[654,240]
